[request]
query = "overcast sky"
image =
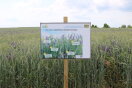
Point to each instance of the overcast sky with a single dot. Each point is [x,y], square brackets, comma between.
[27,13]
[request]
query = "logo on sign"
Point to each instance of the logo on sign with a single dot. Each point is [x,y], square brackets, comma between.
[45,26]
[86,26]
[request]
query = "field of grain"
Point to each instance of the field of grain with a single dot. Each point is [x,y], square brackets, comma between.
[109,67]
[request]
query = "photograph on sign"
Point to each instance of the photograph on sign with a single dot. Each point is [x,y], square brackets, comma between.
[65,40]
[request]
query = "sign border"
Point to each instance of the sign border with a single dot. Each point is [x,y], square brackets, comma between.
[65,23]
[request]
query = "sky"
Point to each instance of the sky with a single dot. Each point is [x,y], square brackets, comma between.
[29,13]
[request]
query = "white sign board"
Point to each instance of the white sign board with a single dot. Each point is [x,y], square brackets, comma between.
[65,40]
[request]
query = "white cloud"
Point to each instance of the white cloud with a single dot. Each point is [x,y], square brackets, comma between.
[111,3]
[32,12]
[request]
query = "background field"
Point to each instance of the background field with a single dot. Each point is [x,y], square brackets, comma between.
[21,67]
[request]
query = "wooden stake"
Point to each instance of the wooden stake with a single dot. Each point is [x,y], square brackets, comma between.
[65,19]
[65,63]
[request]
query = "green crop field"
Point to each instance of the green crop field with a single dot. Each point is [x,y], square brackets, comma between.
[110,65]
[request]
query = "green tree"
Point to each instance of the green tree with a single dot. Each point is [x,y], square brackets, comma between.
[94,26]
[129,26]
[106,26]
[123,26]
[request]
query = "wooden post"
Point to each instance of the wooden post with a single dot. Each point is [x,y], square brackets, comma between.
[65,19]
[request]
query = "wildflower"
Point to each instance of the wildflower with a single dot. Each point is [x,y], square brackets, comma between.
[44,53]
[67,51]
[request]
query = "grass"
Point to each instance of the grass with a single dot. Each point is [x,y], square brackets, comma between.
[109,66]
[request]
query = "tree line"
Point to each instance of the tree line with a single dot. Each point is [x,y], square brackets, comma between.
[107,26]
